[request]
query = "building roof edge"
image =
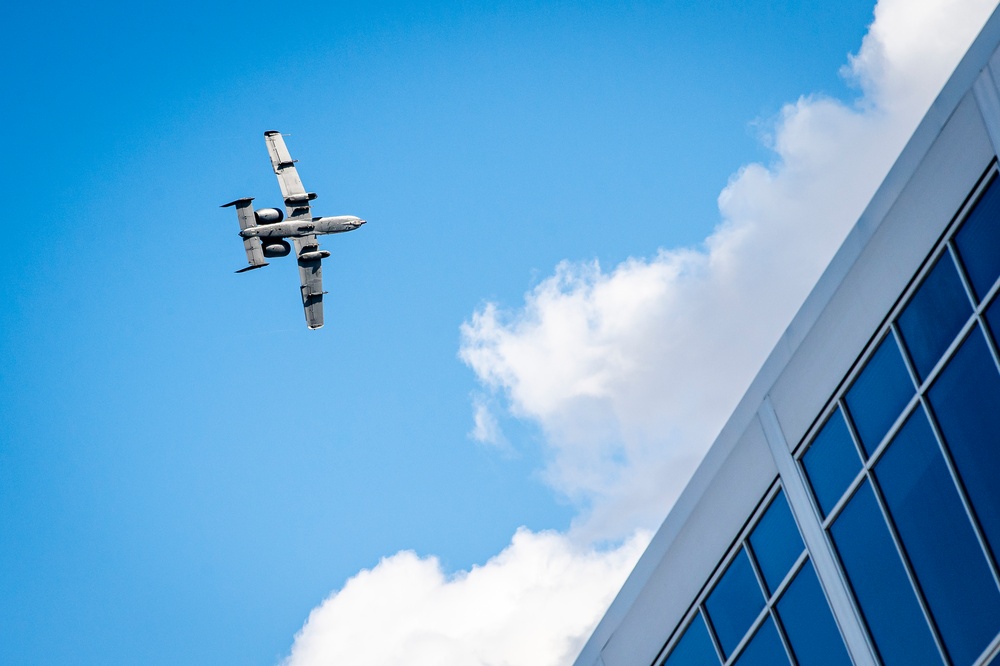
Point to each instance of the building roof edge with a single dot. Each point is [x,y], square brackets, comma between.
[941,109]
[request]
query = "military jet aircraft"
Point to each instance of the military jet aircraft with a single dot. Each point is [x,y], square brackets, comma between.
[265,231]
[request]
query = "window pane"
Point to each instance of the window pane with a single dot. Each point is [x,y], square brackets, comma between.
[764,649]
[938,537]
[809,624]
[934,315]
[776,542]
[831,462]
[879,394]
[734,603]
[883,591]
[993,319]
[978,241]
[966,401]
[694,648]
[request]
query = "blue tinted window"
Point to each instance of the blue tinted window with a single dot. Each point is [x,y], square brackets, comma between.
[978,241]
[966,401]
[831,462]
[880,585]
[934,315]
[764,649]
[993,319]
[694,648]
[734,603]
[776,542]
[809,624]
[939,540]
[879,394]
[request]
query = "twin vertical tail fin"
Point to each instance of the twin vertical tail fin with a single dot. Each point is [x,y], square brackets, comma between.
[255,253]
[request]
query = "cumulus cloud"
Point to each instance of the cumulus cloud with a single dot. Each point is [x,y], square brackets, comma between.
[534,603]
[485,428]
[911,48]
[630,372]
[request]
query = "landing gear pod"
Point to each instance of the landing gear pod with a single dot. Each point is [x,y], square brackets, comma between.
[313,256]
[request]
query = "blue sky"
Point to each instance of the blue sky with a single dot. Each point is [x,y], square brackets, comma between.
[185,470]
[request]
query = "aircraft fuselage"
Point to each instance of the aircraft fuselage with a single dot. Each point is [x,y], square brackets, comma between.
[304,227]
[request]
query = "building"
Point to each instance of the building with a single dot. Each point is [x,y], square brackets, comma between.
[849,511]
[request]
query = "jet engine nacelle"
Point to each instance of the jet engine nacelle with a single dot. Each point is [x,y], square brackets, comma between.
[277,249]
[268,216]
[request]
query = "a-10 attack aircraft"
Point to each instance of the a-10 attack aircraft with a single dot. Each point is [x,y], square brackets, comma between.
[265,231]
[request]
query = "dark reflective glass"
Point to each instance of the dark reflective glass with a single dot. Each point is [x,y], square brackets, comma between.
[879,394]
[694,648]
[831,462]
[978,241]
[808,622]
[764,649]
[776,542]
[938,538]
[966,401]
[880,584]
[934,315]
[734,603]
[993,319]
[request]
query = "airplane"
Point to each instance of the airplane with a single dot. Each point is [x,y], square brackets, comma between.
[264,232]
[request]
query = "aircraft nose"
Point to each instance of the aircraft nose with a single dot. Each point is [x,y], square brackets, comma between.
[360,222]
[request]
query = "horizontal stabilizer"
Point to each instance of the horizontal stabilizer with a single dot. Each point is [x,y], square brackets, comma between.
[244,212]
[255,254]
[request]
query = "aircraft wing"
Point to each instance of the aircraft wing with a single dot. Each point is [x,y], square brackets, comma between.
[311,277]
[295,195]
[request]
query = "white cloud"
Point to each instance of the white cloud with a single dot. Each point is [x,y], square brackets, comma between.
[534,603]
[485,428]
[911,49]
[631,371]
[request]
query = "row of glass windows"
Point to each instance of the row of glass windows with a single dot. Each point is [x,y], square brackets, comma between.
[767,608]
[905,472]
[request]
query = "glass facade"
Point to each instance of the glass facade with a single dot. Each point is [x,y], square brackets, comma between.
[766,607]
[903,469]
[905,473]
